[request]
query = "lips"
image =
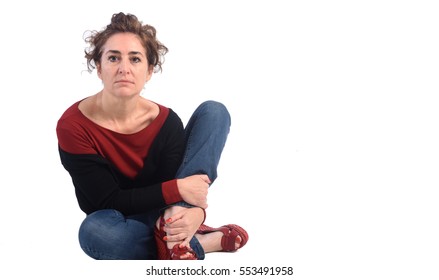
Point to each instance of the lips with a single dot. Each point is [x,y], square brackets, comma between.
[125,81]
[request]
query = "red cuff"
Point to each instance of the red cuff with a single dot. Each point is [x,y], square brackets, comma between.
[170,192]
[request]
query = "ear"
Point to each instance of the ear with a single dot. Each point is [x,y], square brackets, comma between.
[99,70]
[149,72]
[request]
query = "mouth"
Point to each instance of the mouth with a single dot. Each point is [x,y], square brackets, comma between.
[124,82]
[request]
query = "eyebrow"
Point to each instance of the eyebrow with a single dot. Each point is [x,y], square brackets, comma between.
[130,53]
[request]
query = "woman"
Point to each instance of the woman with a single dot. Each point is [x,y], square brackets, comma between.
[141,178]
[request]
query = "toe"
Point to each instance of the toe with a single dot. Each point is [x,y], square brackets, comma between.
[238,241]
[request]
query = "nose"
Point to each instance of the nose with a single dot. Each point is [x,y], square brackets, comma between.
[124,67]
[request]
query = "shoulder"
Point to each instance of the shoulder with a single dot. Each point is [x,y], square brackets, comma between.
[173,118]
[71,131]
[168,124]
[169,116]
[70,112]
[72,117]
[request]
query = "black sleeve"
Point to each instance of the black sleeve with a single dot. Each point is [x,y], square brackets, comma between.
[97,186]
[171,149]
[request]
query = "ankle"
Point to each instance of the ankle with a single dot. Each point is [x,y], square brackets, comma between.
[211,242]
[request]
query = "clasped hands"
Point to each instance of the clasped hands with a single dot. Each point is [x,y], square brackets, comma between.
[181,223]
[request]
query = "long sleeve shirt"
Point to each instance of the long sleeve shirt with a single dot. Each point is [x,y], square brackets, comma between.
[132,173]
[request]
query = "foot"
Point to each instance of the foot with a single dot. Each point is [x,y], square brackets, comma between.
[211,242]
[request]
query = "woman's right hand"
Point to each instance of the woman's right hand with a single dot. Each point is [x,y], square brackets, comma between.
[193,189]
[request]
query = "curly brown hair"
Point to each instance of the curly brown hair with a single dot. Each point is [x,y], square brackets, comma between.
[120,23]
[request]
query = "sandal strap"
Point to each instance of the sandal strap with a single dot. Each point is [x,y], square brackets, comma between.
[230,232]
[204,211]
[229,238]
[176,253]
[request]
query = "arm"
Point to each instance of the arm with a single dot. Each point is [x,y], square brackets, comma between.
[192,189]
[99,185]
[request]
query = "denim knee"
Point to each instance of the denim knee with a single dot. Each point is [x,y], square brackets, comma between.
[107,234]
[216,111]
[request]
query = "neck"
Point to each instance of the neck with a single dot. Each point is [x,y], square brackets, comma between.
[117,109]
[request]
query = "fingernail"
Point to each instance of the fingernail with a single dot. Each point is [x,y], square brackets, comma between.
[169,220]
[165,238]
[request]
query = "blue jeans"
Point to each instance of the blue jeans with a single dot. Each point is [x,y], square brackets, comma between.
[108,234]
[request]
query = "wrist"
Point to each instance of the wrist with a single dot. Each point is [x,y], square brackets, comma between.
[171,192]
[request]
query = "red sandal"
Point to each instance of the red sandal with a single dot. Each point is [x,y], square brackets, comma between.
[176,252]
[230,232]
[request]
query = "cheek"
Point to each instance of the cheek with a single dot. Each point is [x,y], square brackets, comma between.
[106,72]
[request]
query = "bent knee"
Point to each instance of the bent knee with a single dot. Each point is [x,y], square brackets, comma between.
[216,110]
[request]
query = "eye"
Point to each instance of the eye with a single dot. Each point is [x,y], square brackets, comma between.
[112,58]
[136,59]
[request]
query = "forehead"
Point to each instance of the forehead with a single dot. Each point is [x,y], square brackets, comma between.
[124,42]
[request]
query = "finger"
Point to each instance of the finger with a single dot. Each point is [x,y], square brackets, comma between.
[174,218]
[206,179]
[186,256]
[172,230]
[175,238]
[185,243]
[201,203]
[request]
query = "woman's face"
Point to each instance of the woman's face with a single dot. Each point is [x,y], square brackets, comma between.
[124,68]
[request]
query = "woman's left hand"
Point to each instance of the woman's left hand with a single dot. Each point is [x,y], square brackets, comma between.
[182,226]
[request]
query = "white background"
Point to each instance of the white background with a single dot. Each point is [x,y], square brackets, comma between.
[332,160]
